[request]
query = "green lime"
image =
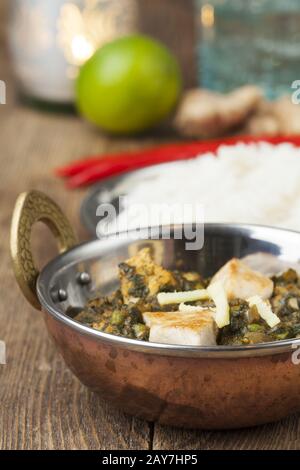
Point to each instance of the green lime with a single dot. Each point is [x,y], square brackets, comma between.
[128,85]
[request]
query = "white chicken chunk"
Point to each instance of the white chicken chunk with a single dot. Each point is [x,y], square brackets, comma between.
[193,329]
[241,282]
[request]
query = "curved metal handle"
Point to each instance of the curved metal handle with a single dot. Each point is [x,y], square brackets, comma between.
[32,207]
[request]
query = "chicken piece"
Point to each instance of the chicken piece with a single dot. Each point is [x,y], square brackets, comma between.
[203,113]
[193,329]
[241,282]
[140,277]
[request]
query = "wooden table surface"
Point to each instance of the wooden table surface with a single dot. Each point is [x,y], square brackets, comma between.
[42,405]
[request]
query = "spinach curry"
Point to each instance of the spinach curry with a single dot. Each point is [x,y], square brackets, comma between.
[237,306]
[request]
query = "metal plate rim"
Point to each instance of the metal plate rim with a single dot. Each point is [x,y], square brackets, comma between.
[76,254]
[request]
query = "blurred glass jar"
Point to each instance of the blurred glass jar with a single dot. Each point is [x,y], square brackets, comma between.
[249,41]
[50,39]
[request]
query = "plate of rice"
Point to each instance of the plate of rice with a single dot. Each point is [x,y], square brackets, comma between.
[244,182]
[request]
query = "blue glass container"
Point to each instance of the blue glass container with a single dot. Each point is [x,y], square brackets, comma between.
[249,41]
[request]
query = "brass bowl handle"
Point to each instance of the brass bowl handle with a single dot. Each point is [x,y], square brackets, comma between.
[32,207]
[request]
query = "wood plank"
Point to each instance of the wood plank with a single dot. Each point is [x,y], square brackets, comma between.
[42,405]
[278,436]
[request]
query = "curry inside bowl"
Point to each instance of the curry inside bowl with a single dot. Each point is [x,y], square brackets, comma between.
[65,292]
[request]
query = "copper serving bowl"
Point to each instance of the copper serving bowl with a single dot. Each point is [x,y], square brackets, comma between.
[197,387]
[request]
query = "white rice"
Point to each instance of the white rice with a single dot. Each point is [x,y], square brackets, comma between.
[246,183]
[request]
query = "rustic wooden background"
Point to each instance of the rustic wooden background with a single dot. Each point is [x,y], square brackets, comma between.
[42,405]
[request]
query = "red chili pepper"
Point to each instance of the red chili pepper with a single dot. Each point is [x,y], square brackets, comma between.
[92,169]
[154,152]
[107,168]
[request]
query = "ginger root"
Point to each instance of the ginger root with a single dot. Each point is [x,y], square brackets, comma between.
[203,113]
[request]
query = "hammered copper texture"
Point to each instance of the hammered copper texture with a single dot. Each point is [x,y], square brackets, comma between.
[183,392]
